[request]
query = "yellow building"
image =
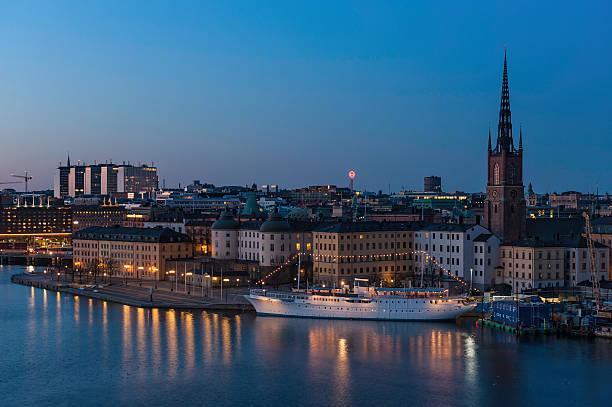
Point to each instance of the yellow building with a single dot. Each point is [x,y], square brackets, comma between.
[130,252]
[378,251]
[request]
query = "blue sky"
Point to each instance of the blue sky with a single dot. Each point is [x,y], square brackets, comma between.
[295,93]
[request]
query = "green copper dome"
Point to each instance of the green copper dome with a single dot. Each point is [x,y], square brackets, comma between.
[226,222]
[275,223]
[251,208]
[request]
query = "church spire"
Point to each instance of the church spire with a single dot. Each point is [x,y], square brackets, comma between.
[489,138]
[520,137]
[504,128]
[68,161]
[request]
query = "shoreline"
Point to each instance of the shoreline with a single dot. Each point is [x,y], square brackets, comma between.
[134,296]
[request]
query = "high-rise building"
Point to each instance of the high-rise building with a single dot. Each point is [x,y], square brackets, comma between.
[136,180]
[432,184]
[104,179]
[505,204]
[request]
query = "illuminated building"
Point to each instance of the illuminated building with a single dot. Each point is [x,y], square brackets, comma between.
[531,263]
[378,251]
[142,253]
[104,179]
[24,223]
[260,245]
[199,233]
[104,215]
[458,248]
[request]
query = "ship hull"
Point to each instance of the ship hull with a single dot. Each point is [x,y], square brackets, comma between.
[386,309]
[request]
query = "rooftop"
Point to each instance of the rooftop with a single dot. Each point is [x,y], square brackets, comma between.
[159,235]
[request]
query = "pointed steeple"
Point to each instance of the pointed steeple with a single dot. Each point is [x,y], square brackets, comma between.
[521,137]
[504,128]
[68,161]
[489,138]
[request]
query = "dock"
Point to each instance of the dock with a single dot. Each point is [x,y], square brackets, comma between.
[138,295]
[515,330]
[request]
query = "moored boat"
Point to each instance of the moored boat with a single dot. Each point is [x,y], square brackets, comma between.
[397,304]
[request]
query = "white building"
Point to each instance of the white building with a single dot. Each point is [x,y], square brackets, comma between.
[270,243]
[486,259]
[457,249]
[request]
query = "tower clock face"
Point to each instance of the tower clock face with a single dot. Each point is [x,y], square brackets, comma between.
[494,194]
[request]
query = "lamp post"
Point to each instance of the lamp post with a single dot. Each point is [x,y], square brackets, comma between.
[189,273]
[227,281]
[126,267]
[139,275]
[155,275]
[471,279]
[173,272]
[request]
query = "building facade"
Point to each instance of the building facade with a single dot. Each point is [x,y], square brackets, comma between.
[432,184]
[529,264]
[131,252]
[505,208]
[382,252]
[104,179]
[463,251]
[265,245]
[103,215]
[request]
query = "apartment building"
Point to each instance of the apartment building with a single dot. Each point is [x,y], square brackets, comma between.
[456,249]
[528,263]
[130,252]
[382,252]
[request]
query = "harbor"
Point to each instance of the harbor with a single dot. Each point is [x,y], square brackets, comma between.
[138,294]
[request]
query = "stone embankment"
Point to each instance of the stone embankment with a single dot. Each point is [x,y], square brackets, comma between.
[135,295]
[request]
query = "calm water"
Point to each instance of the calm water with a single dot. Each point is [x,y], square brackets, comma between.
[60,350]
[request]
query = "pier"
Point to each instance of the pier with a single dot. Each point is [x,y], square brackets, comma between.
[138,294]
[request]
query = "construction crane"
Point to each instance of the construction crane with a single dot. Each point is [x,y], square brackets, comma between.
[25,177]
[593,263]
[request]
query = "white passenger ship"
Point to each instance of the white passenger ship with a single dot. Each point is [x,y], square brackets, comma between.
[396,304]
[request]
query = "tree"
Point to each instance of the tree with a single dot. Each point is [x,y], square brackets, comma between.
[110,267]
[93,268]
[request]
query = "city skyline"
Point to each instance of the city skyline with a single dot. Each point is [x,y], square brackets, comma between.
[294,96]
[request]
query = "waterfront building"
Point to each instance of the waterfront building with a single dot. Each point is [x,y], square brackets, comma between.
[261,246]
[31,221]
[378,251]
[504,211]
[464,251]
[530,263]
[142,253]
[269,243]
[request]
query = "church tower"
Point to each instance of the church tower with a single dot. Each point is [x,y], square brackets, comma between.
[505,204]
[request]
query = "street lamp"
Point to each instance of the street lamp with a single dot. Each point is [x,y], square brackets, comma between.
[222,280]
[174,277]
[126,267]
[189,273]
[208,284]
[471,279]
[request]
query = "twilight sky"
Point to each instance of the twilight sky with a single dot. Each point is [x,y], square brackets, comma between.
[298,93]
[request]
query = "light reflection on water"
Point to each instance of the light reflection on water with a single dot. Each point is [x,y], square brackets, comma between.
[122,355]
